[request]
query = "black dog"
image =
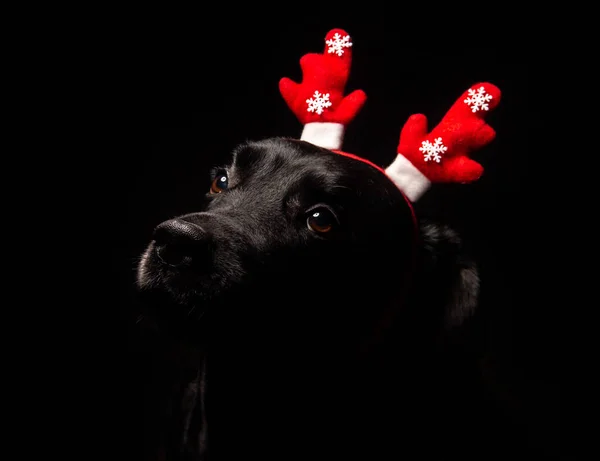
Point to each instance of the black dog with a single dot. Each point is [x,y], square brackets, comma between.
[313,300]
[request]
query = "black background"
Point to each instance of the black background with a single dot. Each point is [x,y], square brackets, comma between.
[192,86]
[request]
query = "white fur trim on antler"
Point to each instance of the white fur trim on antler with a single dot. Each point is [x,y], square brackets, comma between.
[408,178]
[323,134]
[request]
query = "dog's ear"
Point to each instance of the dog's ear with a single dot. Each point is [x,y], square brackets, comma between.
[447,282]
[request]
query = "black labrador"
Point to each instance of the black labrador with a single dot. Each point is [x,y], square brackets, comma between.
[310,302]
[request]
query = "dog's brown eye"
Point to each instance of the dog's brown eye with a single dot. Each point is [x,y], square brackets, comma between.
[219,184]
[321,220]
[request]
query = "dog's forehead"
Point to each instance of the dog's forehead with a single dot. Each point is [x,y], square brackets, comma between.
[295,162]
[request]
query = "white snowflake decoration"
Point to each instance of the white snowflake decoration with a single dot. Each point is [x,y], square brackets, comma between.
[433,151]
[338,43]
[318,103]
[478,100]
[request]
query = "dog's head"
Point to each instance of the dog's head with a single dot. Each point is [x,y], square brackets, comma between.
[290,235]
[293,240]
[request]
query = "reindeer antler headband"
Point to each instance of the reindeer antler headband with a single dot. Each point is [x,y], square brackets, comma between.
[423,158]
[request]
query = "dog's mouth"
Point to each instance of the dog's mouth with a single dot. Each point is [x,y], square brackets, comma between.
[185,278]
[184,293]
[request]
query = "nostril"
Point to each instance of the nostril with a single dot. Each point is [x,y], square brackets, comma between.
[173,255]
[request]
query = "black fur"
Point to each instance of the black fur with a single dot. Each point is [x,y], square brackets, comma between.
[301,344]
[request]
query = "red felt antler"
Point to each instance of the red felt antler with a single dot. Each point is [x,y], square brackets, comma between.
[318,101]
[441,155]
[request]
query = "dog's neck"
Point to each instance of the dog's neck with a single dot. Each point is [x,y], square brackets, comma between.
[252,400]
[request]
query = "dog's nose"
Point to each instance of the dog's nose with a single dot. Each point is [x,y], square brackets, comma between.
[178,242]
